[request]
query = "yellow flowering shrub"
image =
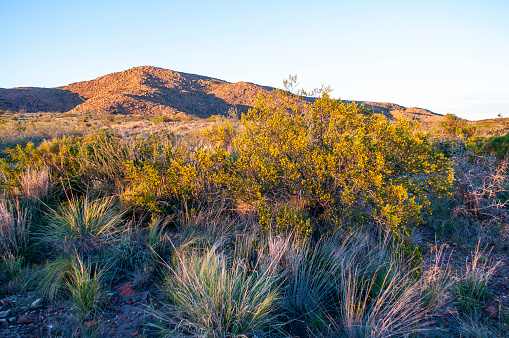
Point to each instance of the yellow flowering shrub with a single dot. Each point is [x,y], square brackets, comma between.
[284,220]
[330,157]
[159,183]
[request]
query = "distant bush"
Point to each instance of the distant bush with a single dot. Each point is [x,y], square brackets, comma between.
[453,125]
[497,146]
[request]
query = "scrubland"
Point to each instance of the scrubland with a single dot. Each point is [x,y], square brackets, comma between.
[292,220]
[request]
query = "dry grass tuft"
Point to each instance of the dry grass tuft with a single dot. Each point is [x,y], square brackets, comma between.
[34,184]
[14,228]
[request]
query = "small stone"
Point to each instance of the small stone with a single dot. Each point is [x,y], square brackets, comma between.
[130,302]
[35,303]
[12,320]
[3,322]
[113,300]
[134,334]
[144,295]
[24,320]
[5,302]
[492,311]
[5,314]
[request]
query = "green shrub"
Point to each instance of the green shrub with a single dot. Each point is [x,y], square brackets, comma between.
[284,220]
[58,155]
[95,160]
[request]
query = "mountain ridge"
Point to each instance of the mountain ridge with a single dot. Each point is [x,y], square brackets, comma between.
[149,90]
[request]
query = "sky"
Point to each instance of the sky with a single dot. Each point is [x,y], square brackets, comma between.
[446,56]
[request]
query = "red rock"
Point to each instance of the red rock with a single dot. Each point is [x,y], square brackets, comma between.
[127,290]
[492,311]
[134,334]
[130,302]
[89,323]
[24,320]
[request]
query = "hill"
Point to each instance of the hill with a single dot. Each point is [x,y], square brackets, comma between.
[150,90]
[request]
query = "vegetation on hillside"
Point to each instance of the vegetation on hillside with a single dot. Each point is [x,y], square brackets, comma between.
[296,219]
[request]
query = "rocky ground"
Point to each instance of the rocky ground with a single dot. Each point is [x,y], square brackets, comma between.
[127,311]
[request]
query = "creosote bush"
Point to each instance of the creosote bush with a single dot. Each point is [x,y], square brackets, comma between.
[329,158]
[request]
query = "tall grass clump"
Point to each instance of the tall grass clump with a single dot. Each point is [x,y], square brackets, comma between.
[377,295]
[54,277]
[34,184]
[472,284]
[129,253]
[14,229]
[101,158]
[84,286]
[311,278]
[395,310]
[73,278]
[438,281]
[82,224]
[214,296]
[470,326]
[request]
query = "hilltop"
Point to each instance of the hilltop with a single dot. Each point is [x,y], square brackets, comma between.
[150,90]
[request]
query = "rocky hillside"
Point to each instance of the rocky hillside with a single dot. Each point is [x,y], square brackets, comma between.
[157,91]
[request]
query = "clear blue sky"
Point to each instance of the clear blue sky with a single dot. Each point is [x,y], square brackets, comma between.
[447,56]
